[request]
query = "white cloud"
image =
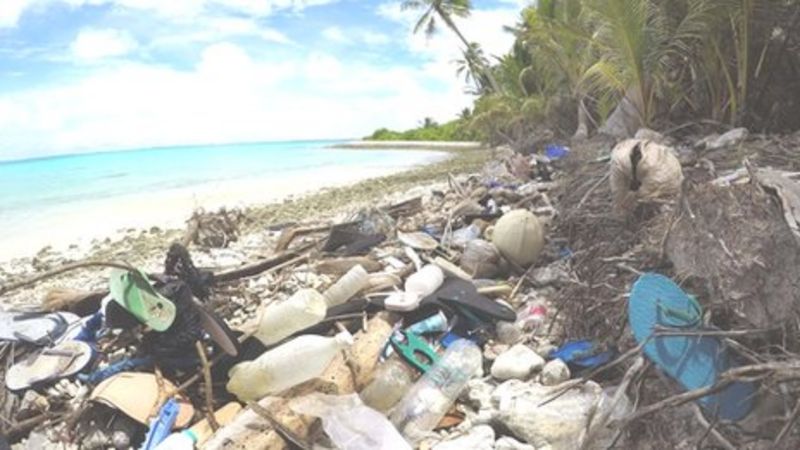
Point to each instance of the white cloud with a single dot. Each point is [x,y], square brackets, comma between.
[94,43]
[11,11]
[482,26]
[374,38]
[235,26]
[228,97]
[335,34]
[233,95]
[354,35]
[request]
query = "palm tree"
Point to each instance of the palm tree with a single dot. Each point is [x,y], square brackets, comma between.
[470,67]
[558,33]
[637,48]
[445,11]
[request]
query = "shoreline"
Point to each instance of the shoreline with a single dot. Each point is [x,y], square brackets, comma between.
[408,145]
[145,246]
[80,224]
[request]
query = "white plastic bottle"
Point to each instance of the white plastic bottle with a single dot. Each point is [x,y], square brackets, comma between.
[304,309]
[347,286]
[283,367]
[419,285]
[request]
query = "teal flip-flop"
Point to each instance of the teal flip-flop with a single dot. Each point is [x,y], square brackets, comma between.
[133,291]
[694,361]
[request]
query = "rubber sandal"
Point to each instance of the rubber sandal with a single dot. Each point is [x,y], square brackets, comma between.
[34,328]
[138,396]
[458,292]
[694,361]
[133,291]
[50,364]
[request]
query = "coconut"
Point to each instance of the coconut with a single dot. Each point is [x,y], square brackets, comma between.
[519,236]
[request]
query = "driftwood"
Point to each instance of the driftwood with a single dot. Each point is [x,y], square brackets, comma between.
[256,268]
[60,270]
[80,302]
[405,208]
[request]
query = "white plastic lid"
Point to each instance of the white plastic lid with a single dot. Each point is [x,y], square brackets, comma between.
[402,301]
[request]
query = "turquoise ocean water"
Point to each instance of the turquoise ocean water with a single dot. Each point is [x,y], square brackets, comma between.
[37,188]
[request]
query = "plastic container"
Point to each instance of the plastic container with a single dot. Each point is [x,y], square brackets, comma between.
[419,285]
[304,309]
[391,382]
[432,396]
[283,367]
[426,281]
[347,286]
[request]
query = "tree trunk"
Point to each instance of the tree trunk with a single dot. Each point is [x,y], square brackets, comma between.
[626,118]
[582,132]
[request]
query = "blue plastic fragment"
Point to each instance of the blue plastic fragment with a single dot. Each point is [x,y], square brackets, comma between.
[582,354]
[161,426]
[555,152]
[124,365]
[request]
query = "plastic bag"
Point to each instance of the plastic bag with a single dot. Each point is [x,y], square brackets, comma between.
[349,423]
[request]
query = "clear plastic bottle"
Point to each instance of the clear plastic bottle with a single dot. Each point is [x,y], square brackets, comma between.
[283,367]
[347,286]
[432,396]
[392,380]
[304,309]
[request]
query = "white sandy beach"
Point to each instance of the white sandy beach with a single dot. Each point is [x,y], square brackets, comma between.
[65,226]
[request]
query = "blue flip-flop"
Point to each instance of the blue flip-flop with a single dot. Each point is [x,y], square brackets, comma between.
[694,361]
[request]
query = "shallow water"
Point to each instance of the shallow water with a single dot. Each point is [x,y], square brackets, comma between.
[50,196]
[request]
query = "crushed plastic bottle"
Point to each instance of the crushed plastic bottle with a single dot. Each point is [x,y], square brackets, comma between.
[283,367]
[432,396]
[391,382]
[350,424]
[304,309]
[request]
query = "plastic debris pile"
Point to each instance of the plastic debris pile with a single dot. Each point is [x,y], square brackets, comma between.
[516,308]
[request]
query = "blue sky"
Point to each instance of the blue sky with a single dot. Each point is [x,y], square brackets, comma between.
[87,75]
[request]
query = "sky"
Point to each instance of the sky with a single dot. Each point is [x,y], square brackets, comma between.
[91,75]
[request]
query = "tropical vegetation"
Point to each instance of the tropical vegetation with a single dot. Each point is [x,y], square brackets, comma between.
[579,67]
[429,130]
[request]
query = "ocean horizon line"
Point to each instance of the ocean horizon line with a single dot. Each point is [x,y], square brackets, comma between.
[12,161]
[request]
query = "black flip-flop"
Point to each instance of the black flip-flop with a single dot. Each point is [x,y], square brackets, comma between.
[457,292]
